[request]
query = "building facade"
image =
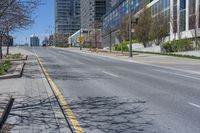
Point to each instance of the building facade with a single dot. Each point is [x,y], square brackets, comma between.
[34,41]
[67,16]
[182,17]
[92,11]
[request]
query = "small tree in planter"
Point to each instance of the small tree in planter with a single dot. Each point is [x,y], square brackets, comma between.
[158,30]
[123,33]
[142,28]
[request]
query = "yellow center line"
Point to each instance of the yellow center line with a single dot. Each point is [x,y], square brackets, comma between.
[62,100]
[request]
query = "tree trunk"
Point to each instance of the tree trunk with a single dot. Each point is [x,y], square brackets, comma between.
[1,54]
[8,47]
[195,38]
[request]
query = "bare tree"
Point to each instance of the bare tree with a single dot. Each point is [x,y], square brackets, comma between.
[142,28]
[97,33]
[123,33]
[158,29]
[14,15]
[193,22]
[61,39]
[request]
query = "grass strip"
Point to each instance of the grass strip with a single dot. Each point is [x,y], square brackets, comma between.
[171,54]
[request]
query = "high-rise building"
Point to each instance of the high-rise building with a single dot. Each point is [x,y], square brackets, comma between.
[92,11]
[34,41]
[67,16]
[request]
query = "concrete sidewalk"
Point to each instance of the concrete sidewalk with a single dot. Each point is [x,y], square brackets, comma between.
[35,108]
[184,64]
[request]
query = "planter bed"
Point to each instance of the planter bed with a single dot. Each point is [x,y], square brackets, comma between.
[15,57]
[15,71]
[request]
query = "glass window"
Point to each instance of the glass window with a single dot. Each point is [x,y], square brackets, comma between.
[192,16]
[182,21]
[182,4]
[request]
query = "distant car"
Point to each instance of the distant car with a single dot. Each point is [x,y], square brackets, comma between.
[44,45]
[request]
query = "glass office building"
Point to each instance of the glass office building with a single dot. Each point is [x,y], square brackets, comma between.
[34,41]
[92,11]
[67,16]
[181,16]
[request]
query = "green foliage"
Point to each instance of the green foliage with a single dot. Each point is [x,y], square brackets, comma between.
[133,41]
[14,56]
[171,54]
[178,46]
[4,67]
[120,47]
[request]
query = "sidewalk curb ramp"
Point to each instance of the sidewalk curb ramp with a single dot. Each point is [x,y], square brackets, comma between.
[17,73]
[6,103]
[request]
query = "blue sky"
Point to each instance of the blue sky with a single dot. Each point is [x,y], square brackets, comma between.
[44,18]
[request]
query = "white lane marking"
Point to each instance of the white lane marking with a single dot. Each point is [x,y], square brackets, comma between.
[195,105]
[110,74]
[168,68]
[178,74]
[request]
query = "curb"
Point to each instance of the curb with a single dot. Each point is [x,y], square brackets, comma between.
[70,118]
[6,112]
[17,74]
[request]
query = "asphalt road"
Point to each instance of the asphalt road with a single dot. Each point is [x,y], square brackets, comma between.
[112,96]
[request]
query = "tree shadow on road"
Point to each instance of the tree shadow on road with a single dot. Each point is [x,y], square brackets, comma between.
[76,76]
[111,115]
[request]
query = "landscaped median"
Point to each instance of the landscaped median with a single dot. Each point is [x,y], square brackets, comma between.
[11,69]
[15,57]
[11,66]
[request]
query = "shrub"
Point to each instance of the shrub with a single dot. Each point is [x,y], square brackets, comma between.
[167,47]
[120,47]
[13,56]
[178,46]
[4,67]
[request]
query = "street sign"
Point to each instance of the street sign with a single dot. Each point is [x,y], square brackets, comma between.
[80,40]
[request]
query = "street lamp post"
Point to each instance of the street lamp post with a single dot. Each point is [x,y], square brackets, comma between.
[110,34]
[80,39]
[130,29]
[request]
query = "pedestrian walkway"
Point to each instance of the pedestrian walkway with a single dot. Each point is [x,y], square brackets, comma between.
[35,109]
[5,104]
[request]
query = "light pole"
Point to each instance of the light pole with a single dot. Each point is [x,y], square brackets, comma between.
[130,29]
[110,34]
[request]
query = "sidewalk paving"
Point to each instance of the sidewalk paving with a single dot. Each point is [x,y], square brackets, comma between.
[35,109]
[184,64]
[5,105]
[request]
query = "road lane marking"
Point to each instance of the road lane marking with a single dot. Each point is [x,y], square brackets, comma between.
[195,105]
[177,74]
[110,74]
[62,100]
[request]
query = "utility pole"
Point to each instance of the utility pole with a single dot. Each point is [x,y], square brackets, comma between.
[80,39]
[110,38]
[130,29]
